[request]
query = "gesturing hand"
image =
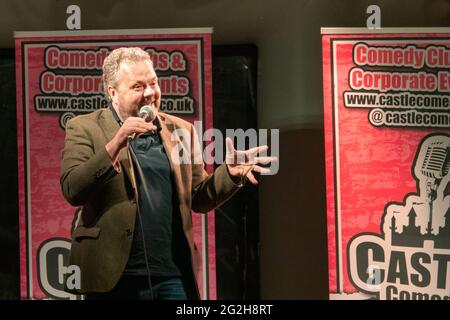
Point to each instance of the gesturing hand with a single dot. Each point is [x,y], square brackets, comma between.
[243,163]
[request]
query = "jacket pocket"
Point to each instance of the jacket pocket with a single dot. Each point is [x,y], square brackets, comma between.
[81,233]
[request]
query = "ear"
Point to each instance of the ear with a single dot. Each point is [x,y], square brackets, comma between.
[113,94]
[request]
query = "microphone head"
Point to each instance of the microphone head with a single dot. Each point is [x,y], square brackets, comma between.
[147,112]
[436,163]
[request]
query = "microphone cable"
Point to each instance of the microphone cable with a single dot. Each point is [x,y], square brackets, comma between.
[131,156]
[141,173]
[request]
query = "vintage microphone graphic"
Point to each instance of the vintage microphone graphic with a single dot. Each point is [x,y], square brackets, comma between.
[435,166]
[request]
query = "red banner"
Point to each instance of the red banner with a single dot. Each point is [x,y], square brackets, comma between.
[387,131]
[58,77]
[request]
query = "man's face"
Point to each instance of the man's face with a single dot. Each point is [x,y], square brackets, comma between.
[136,86]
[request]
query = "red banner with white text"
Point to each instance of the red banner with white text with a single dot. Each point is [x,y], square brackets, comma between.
[58,76]
[387,139]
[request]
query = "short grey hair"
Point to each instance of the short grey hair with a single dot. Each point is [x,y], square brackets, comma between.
[112,63]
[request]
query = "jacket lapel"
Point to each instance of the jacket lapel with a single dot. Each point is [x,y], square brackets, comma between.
[110,127]
[170,142]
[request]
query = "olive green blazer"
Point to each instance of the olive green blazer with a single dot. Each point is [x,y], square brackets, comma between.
[103,231]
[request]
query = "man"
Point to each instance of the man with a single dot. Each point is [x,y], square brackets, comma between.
[133,238]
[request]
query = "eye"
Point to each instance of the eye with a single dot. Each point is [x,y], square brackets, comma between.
[138,87]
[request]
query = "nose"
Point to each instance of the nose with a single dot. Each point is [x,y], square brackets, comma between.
[148,92]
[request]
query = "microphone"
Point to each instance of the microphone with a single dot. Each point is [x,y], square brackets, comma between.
[148,113]
[435,165]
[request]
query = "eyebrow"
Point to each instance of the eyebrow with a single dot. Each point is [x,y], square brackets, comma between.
[152,79]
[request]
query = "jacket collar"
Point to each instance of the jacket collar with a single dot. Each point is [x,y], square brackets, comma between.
[170,140]
[110,126]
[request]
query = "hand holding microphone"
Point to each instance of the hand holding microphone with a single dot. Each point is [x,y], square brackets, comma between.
[131,127]
[148,114]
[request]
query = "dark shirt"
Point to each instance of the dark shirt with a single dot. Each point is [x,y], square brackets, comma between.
[154,239]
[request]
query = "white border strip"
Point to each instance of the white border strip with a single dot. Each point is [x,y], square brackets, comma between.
[204,220]
[382,30]
[28,175]
[205,258]
[340,285]
[109,32]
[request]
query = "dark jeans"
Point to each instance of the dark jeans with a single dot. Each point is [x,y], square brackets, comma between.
[137,288]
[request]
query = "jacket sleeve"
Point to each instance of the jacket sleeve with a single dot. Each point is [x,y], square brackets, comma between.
[84,167]
[210,191]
